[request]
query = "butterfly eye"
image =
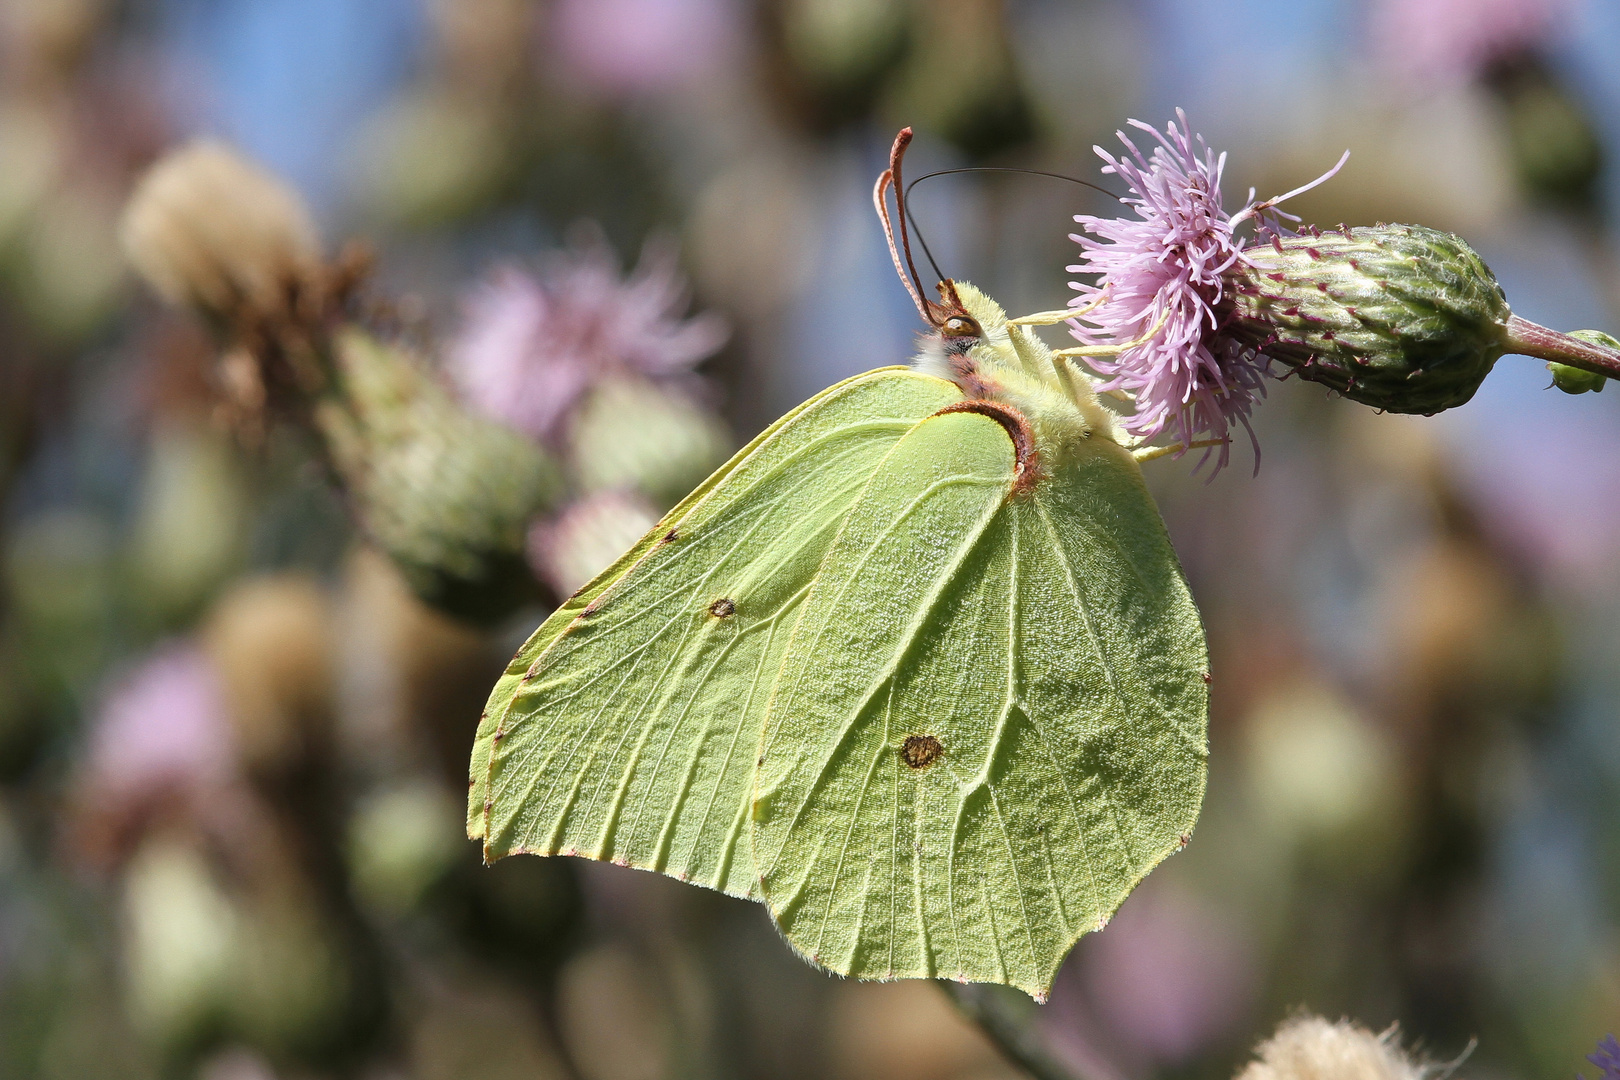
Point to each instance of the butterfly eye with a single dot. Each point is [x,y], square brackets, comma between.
[960,326]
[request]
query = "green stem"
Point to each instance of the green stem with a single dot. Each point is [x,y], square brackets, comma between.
[1012,1034]
[1529,339]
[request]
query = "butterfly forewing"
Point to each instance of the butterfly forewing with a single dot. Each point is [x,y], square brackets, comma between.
[632,730]
[989,722]
[500,699]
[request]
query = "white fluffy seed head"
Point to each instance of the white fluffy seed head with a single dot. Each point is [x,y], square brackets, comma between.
[207,228]
[1311,1048]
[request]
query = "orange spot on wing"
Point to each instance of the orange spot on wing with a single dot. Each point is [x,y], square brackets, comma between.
[1025,457]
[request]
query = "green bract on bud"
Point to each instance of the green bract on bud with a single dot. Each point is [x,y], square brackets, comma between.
[1574,380]
[1399,317]
[448,495]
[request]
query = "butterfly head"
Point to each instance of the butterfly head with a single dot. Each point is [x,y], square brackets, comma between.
[949,317]
[958,327]
[968,342]
[971,343]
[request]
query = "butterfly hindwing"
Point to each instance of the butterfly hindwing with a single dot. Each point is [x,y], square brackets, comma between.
[627,728]
[989,723]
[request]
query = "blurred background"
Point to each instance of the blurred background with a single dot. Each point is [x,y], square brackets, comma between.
[609,241]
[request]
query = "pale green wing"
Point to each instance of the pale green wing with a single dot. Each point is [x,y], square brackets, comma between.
[559,620]
[630,734]
[1042,649]
[548,631]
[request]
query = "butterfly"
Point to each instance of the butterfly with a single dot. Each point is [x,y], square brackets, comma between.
[917,669]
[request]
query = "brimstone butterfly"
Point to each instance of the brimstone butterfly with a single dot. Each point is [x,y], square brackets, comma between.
[917,669]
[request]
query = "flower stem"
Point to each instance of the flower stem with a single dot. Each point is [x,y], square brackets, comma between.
[1528,339]
[1012,1034]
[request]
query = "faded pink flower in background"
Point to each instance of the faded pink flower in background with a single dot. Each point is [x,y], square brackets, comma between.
[1440,42]
[1160,277]
[162,726]
[531,344]
[644,47]
[1170,976]
[570,549]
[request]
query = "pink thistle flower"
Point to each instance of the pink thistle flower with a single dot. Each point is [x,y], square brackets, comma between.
[1438,42]
[531,345]
[163,726]
[643,48]
[568,551]
[1161,279]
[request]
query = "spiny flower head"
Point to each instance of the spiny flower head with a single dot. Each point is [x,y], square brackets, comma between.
[1400,317]
[532,344]
[1161,277]
[1186,315]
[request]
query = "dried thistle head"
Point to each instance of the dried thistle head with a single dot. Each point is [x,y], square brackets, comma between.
[1311,1048]
[210,230]
[446,493]
[215,233]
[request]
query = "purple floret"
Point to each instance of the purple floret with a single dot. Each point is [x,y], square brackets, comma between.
[533,344]
[1607,1058]
[1161,275]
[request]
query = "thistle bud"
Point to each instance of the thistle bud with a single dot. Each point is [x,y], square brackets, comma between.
[1399,317]
[446,494]
[1572,380]
[633,434]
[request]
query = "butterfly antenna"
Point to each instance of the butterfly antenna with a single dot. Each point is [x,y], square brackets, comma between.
[907,269]
[922,243]
[1008,169]
[903,199]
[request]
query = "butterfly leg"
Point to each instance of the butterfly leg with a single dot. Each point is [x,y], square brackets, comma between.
[1115,350]
[1062,315]
[1149,453]
[1028,357]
